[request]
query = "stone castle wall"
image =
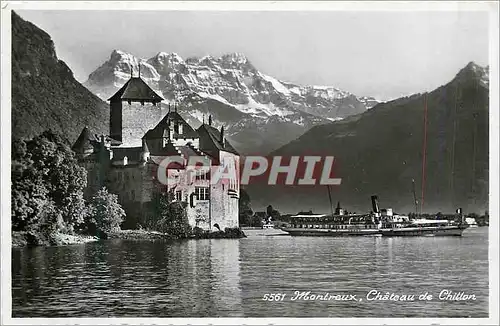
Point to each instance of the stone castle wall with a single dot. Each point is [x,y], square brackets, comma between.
[224,208]
[138,119]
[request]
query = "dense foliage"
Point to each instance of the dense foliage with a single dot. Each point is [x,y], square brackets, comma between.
[272,213]
[104,213]
[169,217]
[245,209]
[47,186]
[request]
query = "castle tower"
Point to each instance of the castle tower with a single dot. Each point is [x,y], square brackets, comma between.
[127,117]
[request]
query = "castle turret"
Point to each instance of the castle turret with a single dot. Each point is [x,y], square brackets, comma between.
[134,90]
[222,136]
[145,151]
[84,144]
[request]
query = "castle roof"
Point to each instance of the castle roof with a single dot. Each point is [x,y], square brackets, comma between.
[211,142]
[168,122]
[168,150]
[85,142]
[133,154]
[136,90]
[189,151]
[158,159]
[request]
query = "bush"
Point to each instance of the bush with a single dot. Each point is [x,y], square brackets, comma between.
[174,221]
[104,213]
[169,217]
[42,229]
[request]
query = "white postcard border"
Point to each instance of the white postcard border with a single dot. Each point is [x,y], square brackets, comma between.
[5,122]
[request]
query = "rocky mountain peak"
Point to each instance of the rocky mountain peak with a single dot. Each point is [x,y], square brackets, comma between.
[474,72]
[230,79]
[233,84]
[234,60]
[165,63]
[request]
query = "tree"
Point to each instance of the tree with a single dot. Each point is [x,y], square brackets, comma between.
[104,213]
[272,213]
[46,174]
[245,208]
[269,210]
[169,217]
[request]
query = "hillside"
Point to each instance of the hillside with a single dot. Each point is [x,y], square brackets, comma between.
[380,151]
[44,92]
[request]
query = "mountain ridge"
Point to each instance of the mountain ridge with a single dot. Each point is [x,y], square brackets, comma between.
[234,87]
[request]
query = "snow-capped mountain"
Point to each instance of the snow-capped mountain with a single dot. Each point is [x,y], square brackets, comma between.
[233,91]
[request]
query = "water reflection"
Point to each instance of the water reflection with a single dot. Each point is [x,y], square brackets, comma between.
[229,278]
[128,278]
[225,271]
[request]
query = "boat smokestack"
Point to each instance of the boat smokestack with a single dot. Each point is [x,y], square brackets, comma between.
[375,204]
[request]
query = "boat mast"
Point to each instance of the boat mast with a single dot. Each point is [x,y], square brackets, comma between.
[454,135]
[424,153]
[474,139]
[330,198]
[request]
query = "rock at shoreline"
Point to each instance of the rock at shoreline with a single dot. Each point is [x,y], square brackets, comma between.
[22,239]
[62,239]
[19,239]
[234,233]
[138,235]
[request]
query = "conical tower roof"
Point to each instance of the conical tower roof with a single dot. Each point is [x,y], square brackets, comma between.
[84,142]
[136,90]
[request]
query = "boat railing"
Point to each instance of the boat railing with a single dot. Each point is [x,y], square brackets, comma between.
[334,226]
[418,223]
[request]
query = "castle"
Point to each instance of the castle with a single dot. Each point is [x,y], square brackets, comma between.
[141,136]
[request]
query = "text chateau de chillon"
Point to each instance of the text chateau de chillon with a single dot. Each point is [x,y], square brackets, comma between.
[127,160]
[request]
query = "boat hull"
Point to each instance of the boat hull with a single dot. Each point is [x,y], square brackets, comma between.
[424,231]
[455,230]
[330,232]
[259,232]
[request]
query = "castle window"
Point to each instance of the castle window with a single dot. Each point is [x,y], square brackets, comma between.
[178,195]
[133,195]
[201,175]
[202,193]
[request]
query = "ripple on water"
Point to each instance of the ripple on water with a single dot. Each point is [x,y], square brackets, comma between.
[228,278]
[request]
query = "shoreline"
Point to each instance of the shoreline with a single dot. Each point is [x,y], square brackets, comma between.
[20,239]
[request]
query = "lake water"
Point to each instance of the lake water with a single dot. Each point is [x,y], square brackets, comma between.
[229,278]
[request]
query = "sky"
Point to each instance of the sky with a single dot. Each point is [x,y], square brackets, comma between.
[385,54]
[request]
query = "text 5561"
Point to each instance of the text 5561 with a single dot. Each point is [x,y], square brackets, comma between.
[274,297]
